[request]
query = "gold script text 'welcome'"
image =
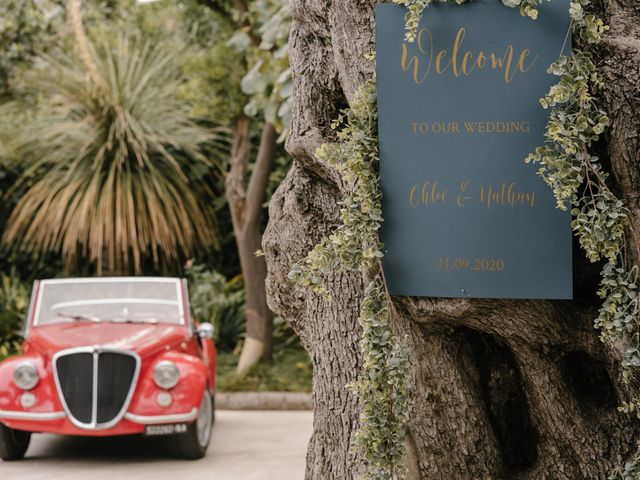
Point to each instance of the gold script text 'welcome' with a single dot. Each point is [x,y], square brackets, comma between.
[461,62]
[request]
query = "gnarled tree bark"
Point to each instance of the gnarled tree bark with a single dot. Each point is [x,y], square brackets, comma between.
[501,389]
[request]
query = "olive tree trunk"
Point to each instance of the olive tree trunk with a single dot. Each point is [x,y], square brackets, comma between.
[501,389]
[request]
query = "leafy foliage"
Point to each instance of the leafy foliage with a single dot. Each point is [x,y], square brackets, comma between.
[211,68]
[268,80]
[107,170]
[588,28]
[618,317]
[218,302]
[25,26]
[383,390]
[221,302]
[14,300]
[355,246]
[415,9]
[290,371]
[599,222]
[575,122]
[212,84]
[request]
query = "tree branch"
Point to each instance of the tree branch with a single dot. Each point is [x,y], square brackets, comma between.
[260,176]
[83,44]
[235,181]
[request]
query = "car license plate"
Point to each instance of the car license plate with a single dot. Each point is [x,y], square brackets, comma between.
[157,430]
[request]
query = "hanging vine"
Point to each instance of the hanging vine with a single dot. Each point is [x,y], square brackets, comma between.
[355,246]
[600,221]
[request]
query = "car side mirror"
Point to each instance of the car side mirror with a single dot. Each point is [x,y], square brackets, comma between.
[206,330]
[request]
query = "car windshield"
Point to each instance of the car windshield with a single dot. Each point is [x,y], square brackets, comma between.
[127,300]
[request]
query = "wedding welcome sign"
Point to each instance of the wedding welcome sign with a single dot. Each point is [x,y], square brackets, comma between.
[459,111]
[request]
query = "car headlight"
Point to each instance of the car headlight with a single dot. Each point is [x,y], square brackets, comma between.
[25,376]
[166,374]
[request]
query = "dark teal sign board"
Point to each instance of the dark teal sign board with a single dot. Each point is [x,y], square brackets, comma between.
[464,215]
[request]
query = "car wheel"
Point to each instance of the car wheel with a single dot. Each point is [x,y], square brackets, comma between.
[194,442]
[13,443]
[213,420]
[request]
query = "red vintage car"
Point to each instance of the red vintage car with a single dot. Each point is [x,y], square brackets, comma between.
[110,356]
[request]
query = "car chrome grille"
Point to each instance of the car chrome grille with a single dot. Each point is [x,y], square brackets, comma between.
[75,375]
[95,385]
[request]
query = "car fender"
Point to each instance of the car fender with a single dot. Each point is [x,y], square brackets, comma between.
[45,393]
[209,354]
[185,396]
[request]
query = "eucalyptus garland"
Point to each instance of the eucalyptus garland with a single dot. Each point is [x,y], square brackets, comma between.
[600,219]
[383,389]
[576,177]
[355,246]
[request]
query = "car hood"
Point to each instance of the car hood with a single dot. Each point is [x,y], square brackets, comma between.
[145,339]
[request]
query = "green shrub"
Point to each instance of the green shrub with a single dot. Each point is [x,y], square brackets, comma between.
[107,163]
[290,371]
[14,301]
[220,302]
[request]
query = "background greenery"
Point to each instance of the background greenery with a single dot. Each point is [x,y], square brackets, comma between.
[183,74]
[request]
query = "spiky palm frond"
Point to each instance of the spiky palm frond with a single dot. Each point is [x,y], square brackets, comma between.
[106,168]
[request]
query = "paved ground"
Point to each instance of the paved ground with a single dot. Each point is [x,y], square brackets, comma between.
[246,445]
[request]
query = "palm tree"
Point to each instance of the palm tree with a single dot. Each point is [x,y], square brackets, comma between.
[106,159]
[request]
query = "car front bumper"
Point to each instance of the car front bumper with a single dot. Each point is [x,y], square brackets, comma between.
[58,422]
